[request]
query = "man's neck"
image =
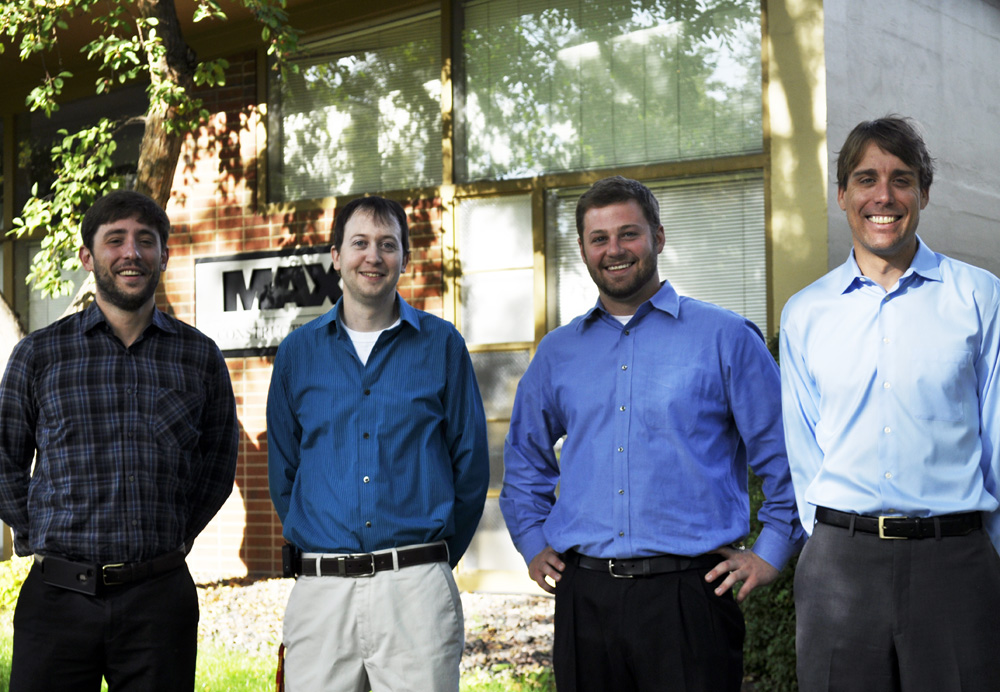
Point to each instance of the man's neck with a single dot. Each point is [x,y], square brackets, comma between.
[127,325]
[885,271]
[364,317]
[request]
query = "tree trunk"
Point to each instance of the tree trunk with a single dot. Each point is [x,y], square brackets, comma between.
[160,149]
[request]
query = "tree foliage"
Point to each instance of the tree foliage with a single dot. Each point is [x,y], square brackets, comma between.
[138,41]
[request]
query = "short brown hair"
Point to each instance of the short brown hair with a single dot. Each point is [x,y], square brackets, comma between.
[894,134]
[618,189]
[383,210]
[124,204]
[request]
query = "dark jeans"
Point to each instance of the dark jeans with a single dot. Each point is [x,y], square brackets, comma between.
[663,632]
[140,637]
[876,615]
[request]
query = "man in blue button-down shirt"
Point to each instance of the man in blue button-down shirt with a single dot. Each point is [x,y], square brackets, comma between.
[890,393]
[378,468]
[663,401]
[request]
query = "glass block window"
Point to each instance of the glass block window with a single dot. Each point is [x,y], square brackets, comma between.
[714,251]
[496,253]
[363,114]
[566,85]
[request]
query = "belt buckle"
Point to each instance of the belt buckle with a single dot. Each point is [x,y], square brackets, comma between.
[611,571]
[881,527]
[371,559]
[104,574]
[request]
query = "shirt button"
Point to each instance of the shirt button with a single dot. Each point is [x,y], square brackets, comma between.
[365,435]
[368,524]
[621,533]
[626,332]
[886,385]
[621,491]
[621,408]
[621,449]
[888,475]
[134,522]
[624,367]
[885,340]
[131,479]
[887,430]
[367,392]
[366,479]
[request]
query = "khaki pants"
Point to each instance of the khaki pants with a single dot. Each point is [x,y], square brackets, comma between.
[394,631]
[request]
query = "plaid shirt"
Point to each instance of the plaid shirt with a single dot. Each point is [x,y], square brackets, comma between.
[136,446]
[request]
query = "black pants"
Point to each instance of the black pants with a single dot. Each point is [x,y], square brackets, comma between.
[664,632]
[876,615]
[140,637]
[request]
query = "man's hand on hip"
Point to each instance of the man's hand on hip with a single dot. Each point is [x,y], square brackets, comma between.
[546,564]
[743,566]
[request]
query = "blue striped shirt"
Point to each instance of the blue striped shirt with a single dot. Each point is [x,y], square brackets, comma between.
[661,418]
[136,446]
[376,456]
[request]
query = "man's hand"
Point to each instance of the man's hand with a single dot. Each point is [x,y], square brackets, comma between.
[744,566]
[546,564]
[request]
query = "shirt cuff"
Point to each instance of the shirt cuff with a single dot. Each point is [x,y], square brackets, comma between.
[773,548]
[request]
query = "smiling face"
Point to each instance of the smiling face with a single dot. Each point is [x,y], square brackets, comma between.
[619,248]
[883,200]
[126,259]
[370,260]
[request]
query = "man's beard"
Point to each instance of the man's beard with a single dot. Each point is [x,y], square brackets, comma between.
[130,302]
[646,268]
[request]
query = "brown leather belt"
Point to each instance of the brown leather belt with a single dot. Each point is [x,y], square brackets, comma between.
[890,526]
[367,564]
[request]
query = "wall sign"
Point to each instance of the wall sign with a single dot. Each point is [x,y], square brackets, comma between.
[248,303]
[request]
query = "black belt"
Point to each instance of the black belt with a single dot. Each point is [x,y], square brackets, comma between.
[367,564]
[88,578]
[890,526]
[629,568]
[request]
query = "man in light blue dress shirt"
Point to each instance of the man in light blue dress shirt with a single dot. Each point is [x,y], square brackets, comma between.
[890,399]
[664,401]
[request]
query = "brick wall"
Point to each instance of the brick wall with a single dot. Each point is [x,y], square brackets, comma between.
[215,210]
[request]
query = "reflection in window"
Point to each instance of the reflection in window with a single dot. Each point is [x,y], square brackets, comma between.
[563,85]
[363,114]
[714,251]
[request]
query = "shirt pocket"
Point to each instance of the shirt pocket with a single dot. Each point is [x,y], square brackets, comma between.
[940,382]
[177,417]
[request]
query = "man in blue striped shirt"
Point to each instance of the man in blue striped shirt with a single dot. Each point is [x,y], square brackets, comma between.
[134,422]
[664,401]
[378,468]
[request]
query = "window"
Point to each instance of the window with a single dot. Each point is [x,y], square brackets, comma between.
[714,251]
[363,114]
[566,85]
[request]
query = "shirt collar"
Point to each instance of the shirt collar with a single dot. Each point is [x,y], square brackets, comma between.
[92,316]
[925,264]
[407,314]
[665,300]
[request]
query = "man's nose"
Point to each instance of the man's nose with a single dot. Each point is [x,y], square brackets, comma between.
[884,192]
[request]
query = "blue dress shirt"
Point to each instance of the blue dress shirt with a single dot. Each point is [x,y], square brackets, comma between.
[891,397]
[376,456]
[661,417]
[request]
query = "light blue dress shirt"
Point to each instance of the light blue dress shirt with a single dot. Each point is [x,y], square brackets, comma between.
[661,417]
[376,456]
[890,398]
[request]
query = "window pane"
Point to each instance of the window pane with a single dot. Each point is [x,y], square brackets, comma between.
[560,85]
[495,233]
[498,373]
[497,307]
[363,114]
[715,246]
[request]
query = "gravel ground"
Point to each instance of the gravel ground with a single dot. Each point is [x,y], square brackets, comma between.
[504,634]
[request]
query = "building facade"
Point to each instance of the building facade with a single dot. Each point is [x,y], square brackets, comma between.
[487,119]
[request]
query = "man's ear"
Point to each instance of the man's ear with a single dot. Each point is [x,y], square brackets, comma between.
[86,258]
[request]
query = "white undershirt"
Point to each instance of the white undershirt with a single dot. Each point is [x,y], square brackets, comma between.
[623,318]
[364,342]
